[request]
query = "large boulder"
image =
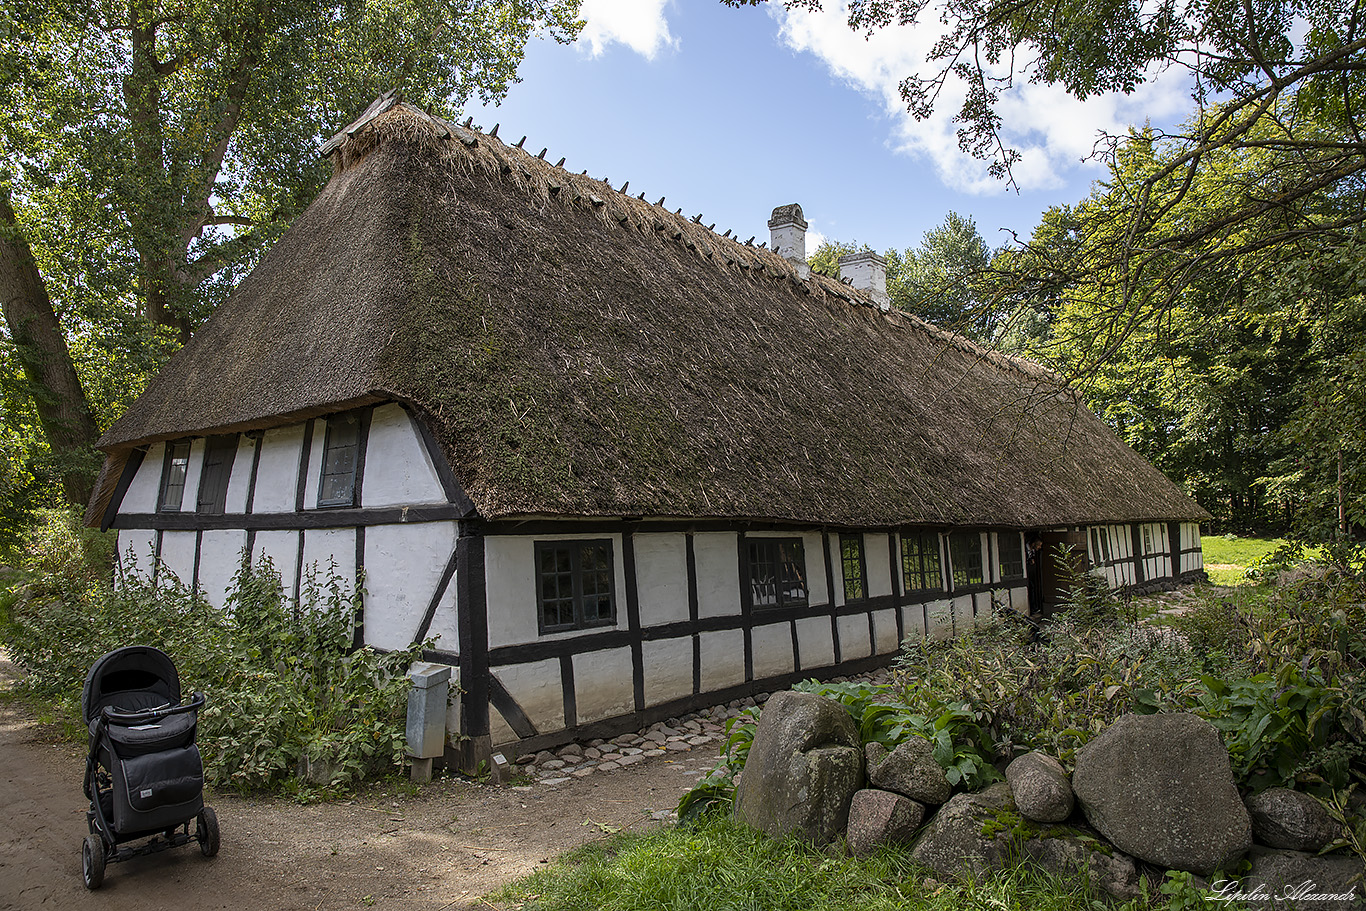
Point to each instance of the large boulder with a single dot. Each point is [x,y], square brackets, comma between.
[910,770]
[1160,788]
[803,769]
[1282,818]
[879,818]
[1108,871]
[969,835]
[1040,786]
[1284,879]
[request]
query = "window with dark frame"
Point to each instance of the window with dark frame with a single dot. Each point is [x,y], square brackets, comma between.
[173,472]
[1147,539]
[574,585]
[219,454]
[851,559]
[920,570]
[777,572]
[1011,555]
[965,556]
[341,451]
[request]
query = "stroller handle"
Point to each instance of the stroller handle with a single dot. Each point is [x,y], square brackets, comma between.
[111,715]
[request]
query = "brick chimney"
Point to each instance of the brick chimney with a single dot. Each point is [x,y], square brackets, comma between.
[788,230]
[866,271]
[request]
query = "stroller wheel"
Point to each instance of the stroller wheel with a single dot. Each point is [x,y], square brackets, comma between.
[92,861]
[206,831]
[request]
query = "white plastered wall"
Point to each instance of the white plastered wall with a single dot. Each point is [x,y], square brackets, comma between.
[815,643]
[877,561]
[220,554]
[137,551]
[772,645]
[668,669]
[177,557]
[398,468]
[510,576]
[282,548]
[239,481]
[403,565]
[603,686]
[662,578]
[141,496]
[331,551]
[855,640]
[315,464]
[718,574]
[885,637]
[536,688]
[723,659]
[277,476]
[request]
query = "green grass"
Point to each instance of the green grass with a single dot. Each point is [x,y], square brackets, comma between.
[719,865]
[1227,557]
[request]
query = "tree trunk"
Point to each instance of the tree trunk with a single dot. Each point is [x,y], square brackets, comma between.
[37,335]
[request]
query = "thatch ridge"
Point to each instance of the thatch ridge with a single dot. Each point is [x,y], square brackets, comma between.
[582,352]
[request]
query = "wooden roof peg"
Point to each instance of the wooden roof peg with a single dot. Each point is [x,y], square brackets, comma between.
[542,155]
[493,133]
[560,163]
[520,141]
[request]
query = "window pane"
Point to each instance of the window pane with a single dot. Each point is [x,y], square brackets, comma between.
[574,584]
[763,577]
[965,549]
[177,465]
[851,559]
[340,453]
[792,572]
[1012,555]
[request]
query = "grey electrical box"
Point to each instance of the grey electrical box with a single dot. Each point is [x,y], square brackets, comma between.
[427,709]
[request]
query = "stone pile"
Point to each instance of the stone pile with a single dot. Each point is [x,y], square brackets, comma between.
[1151,793]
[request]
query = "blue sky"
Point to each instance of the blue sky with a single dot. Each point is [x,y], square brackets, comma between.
[731,112]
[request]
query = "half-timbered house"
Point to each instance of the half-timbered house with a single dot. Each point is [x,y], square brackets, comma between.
[613,464]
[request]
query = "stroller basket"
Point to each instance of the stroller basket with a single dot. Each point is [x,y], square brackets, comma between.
[144,776]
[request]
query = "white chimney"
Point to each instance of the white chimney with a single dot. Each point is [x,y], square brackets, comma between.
[867,271]
[788,230]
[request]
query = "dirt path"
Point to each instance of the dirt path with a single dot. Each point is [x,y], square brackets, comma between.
[438,851]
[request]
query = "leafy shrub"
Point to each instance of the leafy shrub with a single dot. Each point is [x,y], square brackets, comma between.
[283,681]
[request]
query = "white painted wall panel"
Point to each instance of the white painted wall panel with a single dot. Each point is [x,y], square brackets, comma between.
[536,688]
[445,627]
[815,643]
[282,549]
[403,564]
[331,550]
[913,620]
[398,468]
[177,556]
[668,669]
[239,482]
[189,502]
[723,659]
[772,646]
[510,579]
[885,638]
[220,554]
[718,574]
[141,496]
[855,641]
[941,619]
[137,549]
[603,686]
[662,578]
[879,565]
[816,567]
[818,592]
[277,476]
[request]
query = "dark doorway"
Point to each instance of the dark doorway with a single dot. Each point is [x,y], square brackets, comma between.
[1055,575]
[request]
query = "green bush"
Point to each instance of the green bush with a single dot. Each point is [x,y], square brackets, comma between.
[282,679]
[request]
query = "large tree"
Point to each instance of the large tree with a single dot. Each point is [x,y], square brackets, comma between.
[152,148]
[1283,81]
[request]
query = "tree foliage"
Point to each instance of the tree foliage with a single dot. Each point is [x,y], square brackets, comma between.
[153,148]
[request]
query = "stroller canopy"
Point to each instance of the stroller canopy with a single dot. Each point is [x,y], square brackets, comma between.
[133,678]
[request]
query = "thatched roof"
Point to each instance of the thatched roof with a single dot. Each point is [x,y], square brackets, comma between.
[582,352]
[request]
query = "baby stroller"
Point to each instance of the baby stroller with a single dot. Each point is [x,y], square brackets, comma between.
[143,774]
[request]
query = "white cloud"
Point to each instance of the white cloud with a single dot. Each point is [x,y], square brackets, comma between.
[1052,130]
[638,24]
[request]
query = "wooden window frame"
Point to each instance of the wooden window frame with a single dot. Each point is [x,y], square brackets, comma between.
[1017,565]
[955,569]
[853,568]
[213,485]
[921,573]
[575,548]
[163,503]
[349,500]
[776,545]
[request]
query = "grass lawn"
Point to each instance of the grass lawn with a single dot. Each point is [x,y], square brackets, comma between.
[718,864]
[1227,557]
